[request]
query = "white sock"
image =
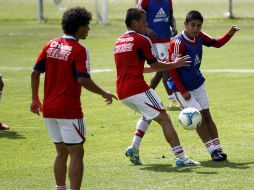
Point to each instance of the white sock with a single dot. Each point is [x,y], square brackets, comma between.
[141,128]
[178,152]
[209,146]
[216,143]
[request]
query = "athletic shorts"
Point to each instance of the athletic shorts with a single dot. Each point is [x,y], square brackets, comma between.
[161,51]
[147,103]
[68,131]
[198,100]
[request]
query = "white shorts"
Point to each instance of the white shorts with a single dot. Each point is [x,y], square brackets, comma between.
[198,100]
[147,103]
[68,131]
[161,51]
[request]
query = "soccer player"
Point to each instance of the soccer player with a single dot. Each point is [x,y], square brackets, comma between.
[189,83]
[2,126]
[161,28]
[66,65]
[131,51]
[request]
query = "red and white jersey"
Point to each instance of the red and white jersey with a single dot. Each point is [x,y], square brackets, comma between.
[130,52]
[63,60]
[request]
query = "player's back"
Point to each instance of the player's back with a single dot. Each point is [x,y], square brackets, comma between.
[61,90]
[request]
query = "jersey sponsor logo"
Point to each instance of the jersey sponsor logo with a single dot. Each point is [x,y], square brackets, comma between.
[161,16]
[60,46]
[58,54]
[59,51]
[197,60]
[123,48]
[121,40]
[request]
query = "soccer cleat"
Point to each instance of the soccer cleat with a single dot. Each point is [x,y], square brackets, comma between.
[222,154]
[4,127]
[217,157]
[133,154]
[186,162]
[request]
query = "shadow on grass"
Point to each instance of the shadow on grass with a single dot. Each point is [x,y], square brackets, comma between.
[10,135]
[166,168]
[226,164]
[206,164]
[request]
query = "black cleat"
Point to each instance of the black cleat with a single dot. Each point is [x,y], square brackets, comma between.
[216,156]
[222,154]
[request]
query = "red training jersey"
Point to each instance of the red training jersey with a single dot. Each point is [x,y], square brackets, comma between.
[63,60]
[130,52]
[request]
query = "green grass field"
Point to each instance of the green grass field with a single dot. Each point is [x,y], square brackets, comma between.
[26,153]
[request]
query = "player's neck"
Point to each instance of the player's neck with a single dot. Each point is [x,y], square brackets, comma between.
[188,37]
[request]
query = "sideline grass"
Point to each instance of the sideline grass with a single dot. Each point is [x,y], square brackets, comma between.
[26,154]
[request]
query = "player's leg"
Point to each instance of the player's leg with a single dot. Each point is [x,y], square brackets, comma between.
[209,126]
[202,130]
[173,104]
[60,166]
[213,133]
[73,133]
[133,150]
[149,104]
[172,138]
[76,167]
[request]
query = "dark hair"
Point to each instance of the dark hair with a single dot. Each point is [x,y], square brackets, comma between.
[74,18]
[133,14]
[194,15]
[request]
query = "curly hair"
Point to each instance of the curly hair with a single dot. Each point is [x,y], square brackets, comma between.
[74,18]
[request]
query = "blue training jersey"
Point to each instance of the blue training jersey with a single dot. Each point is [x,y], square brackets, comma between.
[158,15]
[190,76]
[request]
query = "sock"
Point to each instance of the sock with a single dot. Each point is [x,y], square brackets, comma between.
[178,152]
[141,128]
[209,146]
[216,144]
[62,187]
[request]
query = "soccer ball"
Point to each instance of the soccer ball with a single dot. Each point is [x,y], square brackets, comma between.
[190,118]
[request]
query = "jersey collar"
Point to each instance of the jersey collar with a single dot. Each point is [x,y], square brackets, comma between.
[69,37]
[188,39]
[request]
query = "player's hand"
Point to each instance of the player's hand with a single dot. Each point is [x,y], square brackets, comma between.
[233,30]
[36,107]
[182,61]
[186,95]
[109,97]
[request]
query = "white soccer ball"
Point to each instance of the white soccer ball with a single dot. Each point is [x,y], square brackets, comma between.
[190,118]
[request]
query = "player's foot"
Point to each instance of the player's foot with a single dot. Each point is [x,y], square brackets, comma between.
[217,157]
[173,105]
[4,127]
[224,155]
[186,162]
[133,154]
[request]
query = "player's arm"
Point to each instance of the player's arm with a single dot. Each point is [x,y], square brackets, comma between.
[39,68]
[218,42]
[90,85]
[36,105]
[155,65]
[177,48]
[160,66]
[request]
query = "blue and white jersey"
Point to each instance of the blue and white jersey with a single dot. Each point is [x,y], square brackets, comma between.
[158,15]
[190,76]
